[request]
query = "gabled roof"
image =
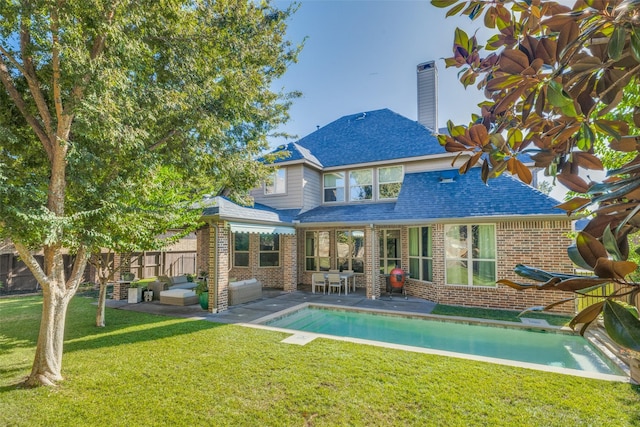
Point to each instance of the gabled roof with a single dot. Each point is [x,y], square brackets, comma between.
[372,136]
[444,195]
[226,209]
[296,153]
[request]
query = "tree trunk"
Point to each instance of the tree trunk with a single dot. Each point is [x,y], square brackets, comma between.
[102,301]
[47,364]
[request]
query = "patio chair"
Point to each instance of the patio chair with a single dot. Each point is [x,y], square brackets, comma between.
[318,279]
[334,281]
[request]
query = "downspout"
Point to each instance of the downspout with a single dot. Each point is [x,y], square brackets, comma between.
[215,267]
[373,267]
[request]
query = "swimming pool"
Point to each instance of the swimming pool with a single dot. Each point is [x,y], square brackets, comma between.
[540,347]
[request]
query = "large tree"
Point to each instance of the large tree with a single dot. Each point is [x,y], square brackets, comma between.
[554,76]
[120,110]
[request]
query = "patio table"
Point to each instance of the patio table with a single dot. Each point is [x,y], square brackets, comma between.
[343,276]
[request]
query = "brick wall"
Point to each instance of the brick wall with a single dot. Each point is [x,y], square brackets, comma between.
[540,244]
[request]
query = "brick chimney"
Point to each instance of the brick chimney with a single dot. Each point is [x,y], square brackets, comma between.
[428,95]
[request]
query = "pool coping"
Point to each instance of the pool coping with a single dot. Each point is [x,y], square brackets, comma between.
[303,337]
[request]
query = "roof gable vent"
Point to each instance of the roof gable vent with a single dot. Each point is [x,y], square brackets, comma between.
[447,177]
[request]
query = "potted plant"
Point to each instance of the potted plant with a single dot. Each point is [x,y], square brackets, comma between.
[135,292]
[202,290]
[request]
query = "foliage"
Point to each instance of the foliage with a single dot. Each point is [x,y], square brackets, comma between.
[201,287]
[250,378]
[116,116]
[555,77]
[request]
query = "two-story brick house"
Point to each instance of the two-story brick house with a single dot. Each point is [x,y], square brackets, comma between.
[375,190]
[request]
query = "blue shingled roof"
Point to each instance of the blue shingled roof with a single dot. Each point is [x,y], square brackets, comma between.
[295,152]
[368,137]
[425,197]
[227,209]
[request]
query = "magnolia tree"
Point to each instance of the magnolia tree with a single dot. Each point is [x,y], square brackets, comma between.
[115,116]
[555,78]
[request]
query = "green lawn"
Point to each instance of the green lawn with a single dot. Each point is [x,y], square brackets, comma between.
[152,370]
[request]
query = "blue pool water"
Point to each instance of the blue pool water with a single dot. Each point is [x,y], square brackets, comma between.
[540,347]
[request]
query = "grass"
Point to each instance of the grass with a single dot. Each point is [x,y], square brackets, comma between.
[147,370]
[495,314]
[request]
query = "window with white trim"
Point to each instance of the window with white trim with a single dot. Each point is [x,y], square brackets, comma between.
[420,254]
[333,187]
[276,183]
[316,244]
[390,255]
[470,254]
[241,249]
[350,250]
[269,250]
[361,185]
[389,182]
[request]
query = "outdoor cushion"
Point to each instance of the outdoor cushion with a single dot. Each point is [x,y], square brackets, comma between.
[178,297]
[244,291]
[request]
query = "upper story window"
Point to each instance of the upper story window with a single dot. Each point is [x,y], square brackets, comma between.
[470,254]
[361,185]
[276,182]
[240,249]
[389,182]
[334,187]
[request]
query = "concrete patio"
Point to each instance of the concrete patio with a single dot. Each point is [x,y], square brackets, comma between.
[275,300]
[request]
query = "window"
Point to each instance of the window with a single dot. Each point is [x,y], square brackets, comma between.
[361,185]
[389,182]
[276,182]
[420,257]
[269,250]
[334,187]
[350,250]
[470,255]
[241,249]
[317,251]
[389,250]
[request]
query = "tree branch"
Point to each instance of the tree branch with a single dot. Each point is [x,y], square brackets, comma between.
[7,81]
[164,139]
[27,257]
[78,268]
[29,73]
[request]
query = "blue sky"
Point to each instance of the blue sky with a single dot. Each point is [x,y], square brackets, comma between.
[361,55]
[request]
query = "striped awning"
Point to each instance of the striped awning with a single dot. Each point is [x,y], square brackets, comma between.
[241,227]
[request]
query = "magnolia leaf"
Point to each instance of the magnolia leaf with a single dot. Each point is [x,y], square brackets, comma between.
[621,325]
[557,96]
[556,303]
[611,244]
[635,44]
[532,273]
[616,43]
[513,61]
[577,283]
[590,248]
[614,128]
[587,160]
[572,182]
[574,204]
[607,268]
[461,39]
[576,258]
[478,135]
[625,144]
[523,172]
[515,285]
[586,138]
[587,315]
[443,3]
[456,9]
